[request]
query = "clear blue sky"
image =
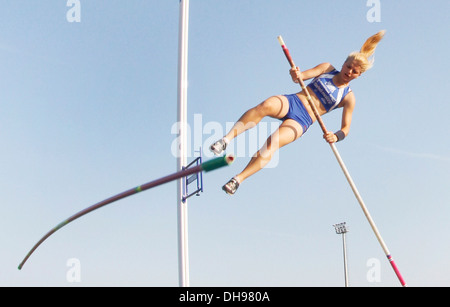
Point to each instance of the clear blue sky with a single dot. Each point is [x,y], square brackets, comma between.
[87,110]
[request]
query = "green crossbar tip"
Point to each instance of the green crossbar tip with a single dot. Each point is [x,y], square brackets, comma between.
[218,162]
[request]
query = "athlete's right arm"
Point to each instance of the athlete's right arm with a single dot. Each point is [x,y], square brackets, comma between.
[310,73]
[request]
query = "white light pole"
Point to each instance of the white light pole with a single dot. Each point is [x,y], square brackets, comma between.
[343,229]
[183,251]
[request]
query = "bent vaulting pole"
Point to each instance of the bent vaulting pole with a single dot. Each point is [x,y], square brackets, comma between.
[206,166]
[344,168]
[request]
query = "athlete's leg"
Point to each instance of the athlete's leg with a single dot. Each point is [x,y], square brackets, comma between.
[275,106]
[289,131]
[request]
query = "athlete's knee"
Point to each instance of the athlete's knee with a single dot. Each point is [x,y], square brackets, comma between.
[272,106]
[270,147]
[262,157]
[263,109]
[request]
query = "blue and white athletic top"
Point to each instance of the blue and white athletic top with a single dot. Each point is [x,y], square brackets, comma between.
[329,94]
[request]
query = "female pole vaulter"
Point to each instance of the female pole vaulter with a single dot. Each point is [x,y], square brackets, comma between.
[329,90]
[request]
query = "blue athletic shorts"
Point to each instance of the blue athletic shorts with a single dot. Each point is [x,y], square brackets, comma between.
[298,112]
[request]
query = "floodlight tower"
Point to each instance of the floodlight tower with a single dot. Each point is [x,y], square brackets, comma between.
[341,228]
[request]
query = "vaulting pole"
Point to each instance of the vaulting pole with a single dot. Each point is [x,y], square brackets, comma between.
[182,205]
[205,166]
[344,168]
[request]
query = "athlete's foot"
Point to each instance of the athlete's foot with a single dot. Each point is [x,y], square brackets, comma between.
[218,147]
[231,186]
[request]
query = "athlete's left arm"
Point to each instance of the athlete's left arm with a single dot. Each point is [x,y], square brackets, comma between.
[348,103]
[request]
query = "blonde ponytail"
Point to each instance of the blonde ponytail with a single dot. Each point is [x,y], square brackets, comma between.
[364,57]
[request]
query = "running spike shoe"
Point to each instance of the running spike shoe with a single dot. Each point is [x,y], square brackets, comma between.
[231,186]
[218,147]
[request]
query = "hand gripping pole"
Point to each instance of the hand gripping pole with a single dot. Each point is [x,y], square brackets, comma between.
[343,167]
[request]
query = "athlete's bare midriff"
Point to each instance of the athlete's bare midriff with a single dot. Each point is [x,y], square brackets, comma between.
[303,97]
